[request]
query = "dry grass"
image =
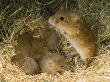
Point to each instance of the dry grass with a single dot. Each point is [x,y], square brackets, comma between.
[25,16]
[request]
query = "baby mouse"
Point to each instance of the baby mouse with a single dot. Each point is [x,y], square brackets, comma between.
[76,30]
[53,63]
[26,64]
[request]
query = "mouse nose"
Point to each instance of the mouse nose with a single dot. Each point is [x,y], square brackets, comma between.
[53,20]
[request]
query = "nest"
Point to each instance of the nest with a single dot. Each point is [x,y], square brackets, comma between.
[19,16]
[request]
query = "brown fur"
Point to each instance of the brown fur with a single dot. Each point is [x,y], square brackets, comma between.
[76,30]
[52,63]
[26,64]
[30,49]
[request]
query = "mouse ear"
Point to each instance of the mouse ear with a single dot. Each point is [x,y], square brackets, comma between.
[74,16]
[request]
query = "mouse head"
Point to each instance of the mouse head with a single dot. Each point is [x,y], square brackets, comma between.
[64,21]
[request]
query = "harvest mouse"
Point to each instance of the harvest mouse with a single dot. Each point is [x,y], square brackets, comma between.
[49,36]
[53,63]
[76,30]
[25,57]
[26,64]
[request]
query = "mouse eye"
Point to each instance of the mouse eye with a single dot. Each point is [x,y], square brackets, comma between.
[61,65]
[61,18]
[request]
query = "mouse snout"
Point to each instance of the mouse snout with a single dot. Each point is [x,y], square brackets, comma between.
[53,20]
